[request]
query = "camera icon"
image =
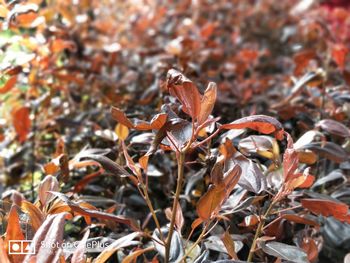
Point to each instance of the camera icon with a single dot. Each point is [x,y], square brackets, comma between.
[20,247]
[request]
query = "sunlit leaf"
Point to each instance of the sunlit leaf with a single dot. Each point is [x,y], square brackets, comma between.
[3,11]
[79,252]
[120,243]
[50,232]
[132,257]
[58,45]
[130,163]
[216,243]
[308,137]
[21,122]
[210,201]
[3,253]
[179,219]
[310,248]
[300,181]
[155,124]
[327,208]
[299,219]
[94,213]
[36,216]
[207,102]
[265,146]
[290,160]
[14,232]
[49,183]
[307,157]
[229,244]
[261,123]
[339,52]
[284,251]
[302,59]
[185,91]
[10,83]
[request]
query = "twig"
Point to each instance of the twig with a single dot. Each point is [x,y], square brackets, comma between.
[33,151]
[258,231]
[180,164]
[203,233]
[145,195]
[206,139]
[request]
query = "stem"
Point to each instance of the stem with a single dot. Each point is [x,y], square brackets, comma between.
[195,243]
[286,209]
[151,209]
[258,231]
[34,130]
[180,175]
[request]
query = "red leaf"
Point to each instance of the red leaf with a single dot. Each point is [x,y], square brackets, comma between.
[50,232]
[302,59]
[156,123]
[229,245]
[49,183]
[14,232]
[211,201]
[310,247]
[339,53]
[35,214]
[58,45]
[299,219]
[207,30]
[216,174]
[231,178]
[290,160]
[21,122]
[3,253]
[124,241]
[185,91]
[10,83]
[130,163]
[207,102]
[120,117]
[196,223]
[327,208]
[261,123]
[79,186]
[132,257]
[300,181]
[179,218]
[78,255]
[94,213]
